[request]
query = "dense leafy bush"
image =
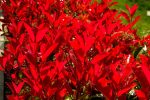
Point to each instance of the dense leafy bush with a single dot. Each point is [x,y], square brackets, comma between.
[73,49]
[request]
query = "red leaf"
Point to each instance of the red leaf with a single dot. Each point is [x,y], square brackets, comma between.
[10,86]
[30,58]
[45,70]
[12,97]
[106,91]
[34,71]
[30,32]
[99,57]
[146,73]
[125,90]
[135,20]
[75,44]
[145,69]
[111,26]
[40,34]
[102,28]
[79,75]
[5,60]
[140,94]
[51,91]
[143,80]
[89,41]
[18,87]
[49,51]
[125,15]
[11,48]
[126,73]
[20,24]
[13,3]
[52,73]
[62,93]
[60,65]
[104,82]
[131,24]
[32,66]
[116,77]
[79,38]
[50,17]
[97,70]
[132,10]
[22,38]
[48,4]
[43,48]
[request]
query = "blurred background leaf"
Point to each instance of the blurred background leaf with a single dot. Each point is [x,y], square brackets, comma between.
[143,24]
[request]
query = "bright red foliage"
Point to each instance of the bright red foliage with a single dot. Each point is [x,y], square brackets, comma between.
[73,48]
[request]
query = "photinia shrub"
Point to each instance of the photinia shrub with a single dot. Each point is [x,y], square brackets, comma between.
[73,50]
